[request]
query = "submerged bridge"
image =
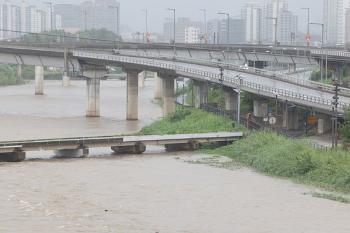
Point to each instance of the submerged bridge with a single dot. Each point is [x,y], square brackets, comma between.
[15,151]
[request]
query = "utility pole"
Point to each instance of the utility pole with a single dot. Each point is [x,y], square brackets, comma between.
[174,25]
[228,25]
[308,38]
[335,109]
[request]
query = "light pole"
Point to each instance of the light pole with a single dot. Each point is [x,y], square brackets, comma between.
[322,42]
[276,24]
[308,26]
[205,25]
[174,38]
[51,14]
[228,25]
[146,25]
[117,22]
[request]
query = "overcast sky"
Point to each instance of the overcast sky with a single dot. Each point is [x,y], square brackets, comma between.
[132,15]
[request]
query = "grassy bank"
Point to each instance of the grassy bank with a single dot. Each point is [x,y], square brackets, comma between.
[266,152]
[276,155]
[8,76]
[189,121]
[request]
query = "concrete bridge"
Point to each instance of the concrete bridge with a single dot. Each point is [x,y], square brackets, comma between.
[91,63]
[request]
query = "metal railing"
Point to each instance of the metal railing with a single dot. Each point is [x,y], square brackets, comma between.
[233,81]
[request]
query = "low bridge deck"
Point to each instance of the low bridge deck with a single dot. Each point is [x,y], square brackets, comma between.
[114,141]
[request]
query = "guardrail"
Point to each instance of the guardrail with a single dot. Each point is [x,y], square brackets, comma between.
[271,74]
[235,81]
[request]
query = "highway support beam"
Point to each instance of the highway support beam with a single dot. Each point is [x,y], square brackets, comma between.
[260,108]
[200,93]
[93,75]
[142,77]
[168,92]
[39,80]
[232,103]
[132,98]
[290,117]
[158,87]
[19,72]
[66,78]
[16,156]
[324,123]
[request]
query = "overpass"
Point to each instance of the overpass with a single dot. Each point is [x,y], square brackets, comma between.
[91,63]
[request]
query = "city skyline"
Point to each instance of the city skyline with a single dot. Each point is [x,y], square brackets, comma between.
[134,18]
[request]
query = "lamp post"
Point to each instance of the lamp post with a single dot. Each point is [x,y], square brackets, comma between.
[51,14]
[174,38]
[228,25]
[205,25]
[117,22]
[146,25]
[276,24]
[322,42]
[308,26]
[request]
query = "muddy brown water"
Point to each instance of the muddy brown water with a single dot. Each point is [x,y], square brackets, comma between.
[154,192]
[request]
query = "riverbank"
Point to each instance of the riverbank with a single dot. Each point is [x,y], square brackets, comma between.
[8,76]
[267,152]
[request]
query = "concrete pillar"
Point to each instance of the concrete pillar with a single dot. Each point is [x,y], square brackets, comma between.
[292,68]
[200,93]
[16,156]
[93,75]
[132,95]
[290,118]
[324,124]
[141,79]
[39,80]
[168,95]
[65,80]
[260,108]
[232,103]
[93,95]
[158,87]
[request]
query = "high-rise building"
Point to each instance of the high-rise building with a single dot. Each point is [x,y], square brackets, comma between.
[334,14]
[232,33]
[252,15]
[180,29]
[192,35]
[287,28]
[213,28]
[347,27]
[71,16]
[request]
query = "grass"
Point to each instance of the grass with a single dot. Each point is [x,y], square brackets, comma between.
[186,121]
[276,155]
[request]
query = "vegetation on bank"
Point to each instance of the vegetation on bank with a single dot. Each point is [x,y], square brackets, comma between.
[265,151]
[277,155]
[8,76]
[186,120]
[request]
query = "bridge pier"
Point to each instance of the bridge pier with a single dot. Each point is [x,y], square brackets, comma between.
[168,94]
[201,93]
[71,153]
[93,75]
[65,80]
[16,156]
[260,108]
[232,102]
[324,124]
[290,118]
[158,87]
[138,148]
[19,71]
[39,80]
[132,99]
[141,78]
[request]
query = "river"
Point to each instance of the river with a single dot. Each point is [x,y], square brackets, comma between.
[153,192]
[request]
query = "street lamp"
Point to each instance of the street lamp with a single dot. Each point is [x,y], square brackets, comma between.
[146,26]
[51,14]
[205,24]
[228,25]
[276,24]
[322,42]
[117,22]
[308,26]
[174,14]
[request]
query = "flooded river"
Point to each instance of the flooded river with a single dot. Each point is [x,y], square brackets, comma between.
[154,192]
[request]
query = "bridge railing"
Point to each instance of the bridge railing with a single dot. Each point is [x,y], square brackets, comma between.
[270,74]
[227,80]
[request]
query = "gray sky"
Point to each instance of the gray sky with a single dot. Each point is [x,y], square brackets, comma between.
[132,15]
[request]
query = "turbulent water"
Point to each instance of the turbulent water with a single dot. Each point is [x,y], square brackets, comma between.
[154,192]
